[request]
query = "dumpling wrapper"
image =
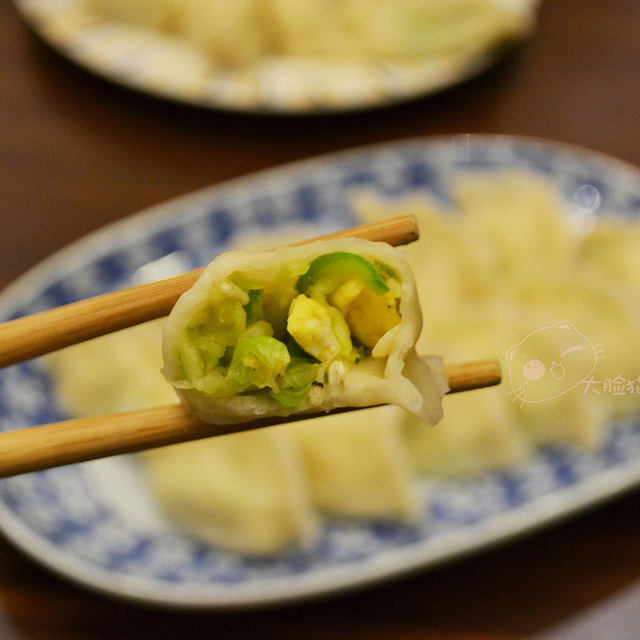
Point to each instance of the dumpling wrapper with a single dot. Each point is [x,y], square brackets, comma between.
[394,374]
[244,492]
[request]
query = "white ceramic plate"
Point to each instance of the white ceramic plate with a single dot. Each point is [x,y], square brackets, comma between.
[168,68]
[94,522]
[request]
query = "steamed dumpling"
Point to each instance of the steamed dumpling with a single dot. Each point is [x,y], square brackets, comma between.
[357,464]
[245,492]
[519,219]
[478,433]
[113,373]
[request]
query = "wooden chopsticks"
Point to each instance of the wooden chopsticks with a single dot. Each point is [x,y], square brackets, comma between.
[82,439]
[48,331]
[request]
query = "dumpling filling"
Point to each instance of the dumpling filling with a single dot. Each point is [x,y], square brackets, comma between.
[290,337]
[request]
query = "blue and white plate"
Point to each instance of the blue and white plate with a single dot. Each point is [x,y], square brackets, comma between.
[93,522]
[167,67]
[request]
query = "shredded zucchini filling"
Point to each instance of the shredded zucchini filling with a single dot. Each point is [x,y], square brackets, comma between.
[317,320]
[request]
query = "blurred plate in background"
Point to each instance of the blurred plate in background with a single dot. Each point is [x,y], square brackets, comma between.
[168,67]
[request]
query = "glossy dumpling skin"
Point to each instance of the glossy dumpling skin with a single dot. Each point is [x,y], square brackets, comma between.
[352,331]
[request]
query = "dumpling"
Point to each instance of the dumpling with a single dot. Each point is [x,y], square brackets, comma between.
[479,430]
[301,329]
[521,220]
[357,464]
[477,433]
[113,373]
[245,492]
[612,245]
[603,322]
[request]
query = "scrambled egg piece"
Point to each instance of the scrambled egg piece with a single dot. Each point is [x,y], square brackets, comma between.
[311,326]
[324,331]
[368,314]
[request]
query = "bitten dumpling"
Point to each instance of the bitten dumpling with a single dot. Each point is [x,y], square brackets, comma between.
[301,329]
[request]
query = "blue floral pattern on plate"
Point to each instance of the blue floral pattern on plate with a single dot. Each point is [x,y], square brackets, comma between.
[93,523]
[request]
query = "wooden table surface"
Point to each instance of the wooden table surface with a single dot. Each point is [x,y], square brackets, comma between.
[78,153]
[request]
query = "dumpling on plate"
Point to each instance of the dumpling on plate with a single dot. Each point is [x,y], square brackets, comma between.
[479,430]
[113,373]
[357,464]
[573,419]
[612,245]
[603,341]
[301,329]
[520,218]
[245,492]
[478,433]
[419,28]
